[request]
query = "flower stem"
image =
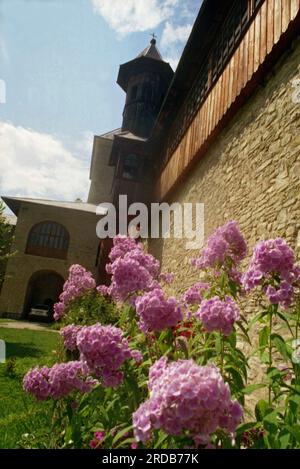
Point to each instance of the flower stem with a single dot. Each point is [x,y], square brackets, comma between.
[297,320]
[270,350]
[222,354]
[150,352]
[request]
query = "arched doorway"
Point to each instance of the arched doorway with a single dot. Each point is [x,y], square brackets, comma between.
[43,290]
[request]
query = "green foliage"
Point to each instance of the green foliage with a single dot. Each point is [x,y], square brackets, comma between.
[10,367]
[279,416]
[89,309]
[6,238]
[24,422]
[73,421]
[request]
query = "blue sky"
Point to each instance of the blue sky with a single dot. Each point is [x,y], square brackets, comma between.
[59,60]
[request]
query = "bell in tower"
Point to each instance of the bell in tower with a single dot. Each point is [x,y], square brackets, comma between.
[145,81]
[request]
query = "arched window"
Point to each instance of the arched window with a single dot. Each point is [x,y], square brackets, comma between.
[48,239]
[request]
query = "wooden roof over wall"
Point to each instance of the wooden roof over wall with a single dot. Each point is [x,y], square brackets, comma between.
[210,17]
[271,31]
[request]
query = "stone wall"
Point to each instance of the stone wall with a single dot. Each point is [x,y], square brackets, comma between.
[251,173]
[20,268]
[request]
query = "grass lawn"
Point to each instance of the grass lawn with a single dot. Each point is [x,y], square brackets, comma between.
[19,412]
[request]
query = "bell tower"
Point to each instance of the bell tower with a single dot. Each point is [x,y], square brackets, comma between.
[145,81]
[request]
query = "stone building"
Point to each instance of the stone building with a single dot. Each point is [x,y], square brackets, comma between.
[224,130]
[49,237]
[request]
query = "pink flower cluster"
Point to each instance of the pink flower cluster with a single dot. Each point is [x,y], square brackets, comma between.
[97,440]
[58,381]
[78,282]
[103,290]
[128,277]
[131,268]
[166,277]
[273,266]
[218,315]
[104,349]
[121,246]
[156,312]
[69,334]
[186,397]
[226,243]
[194,295]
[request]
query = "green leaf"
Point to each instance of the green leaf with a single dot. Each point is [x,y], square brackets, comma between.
[258,318]
[111,405]
[235,360]
[218,344]
[272,416]
[292,388]
[295,431]
[98,427]
[232,340]
[261,409]
[271,421]
[253,387]
[121,434]
[227,442]
[223,280]
[244,427]
[260,443]
[233,288]
[285,320]
[161,439]
[294,400]
[263,338]
[245,332]
[125,443]
[284,438]
[280,345]
[68,434]
[274,373]
[236,376]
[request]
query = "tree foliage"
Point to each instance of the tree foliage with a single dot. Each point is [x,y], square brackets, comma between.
[6,238]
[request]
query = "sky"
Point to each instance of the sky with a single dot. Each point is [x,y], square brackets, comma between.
[59,61]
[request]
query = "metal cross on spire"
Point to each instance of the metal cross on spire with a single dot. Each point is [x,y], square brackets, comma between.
[154,37]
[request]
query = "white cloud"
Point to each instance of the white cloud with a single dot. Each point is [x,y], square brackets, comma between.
[173,60]
[35,164]
[127,16]
[82,146]
[175,34]
[173,40]
[175,16]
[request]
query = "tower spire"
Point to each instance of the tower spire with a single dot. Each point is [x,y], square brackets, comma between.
[145,80]
[153,40]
